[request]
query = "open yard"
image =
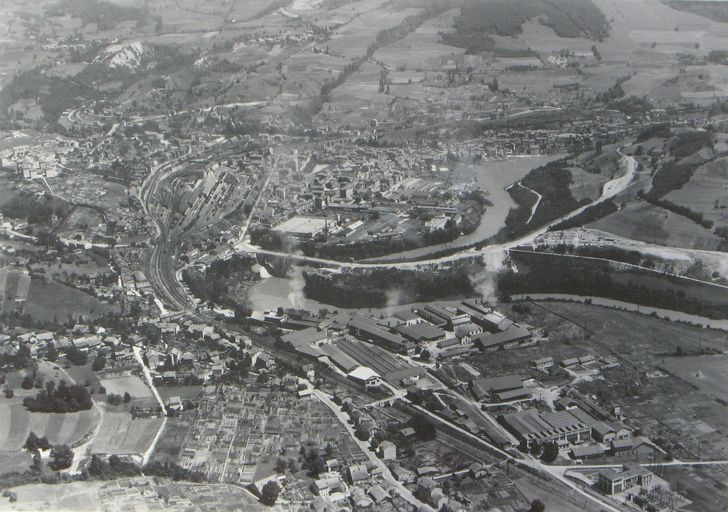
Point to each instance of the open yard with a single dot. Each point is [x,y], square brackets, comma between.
[129,384]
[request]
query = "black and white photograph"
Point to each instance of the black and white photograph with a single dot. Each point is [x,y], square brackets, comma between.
[364,255]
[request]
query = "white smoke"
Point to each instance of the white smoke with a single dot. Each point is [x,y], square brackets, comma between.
[394,298]
[296,284]
[485,282]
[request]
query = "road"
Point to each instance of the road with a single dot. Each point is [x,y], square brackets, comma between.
[150,382]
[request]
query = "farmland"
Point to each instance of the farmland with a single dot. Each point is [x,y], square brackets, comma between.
[706,192]
[50,300]
[684,417]
[120,434]
[139,493]
[239,437]
[707,373]
[650,223]
[16,423]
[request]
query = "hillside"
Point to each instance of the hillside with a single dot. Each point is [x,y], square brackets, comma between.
[568,18]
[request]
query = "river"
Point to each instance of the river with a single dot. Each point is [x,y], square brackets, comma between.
[493,176]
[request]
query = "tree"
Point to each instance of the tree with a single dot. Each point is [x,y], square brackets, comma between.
[36,443]
[52,354]
[127,397]
[550,452]
[363,432]
[537,506]
[27,383]
[280,466]
[535,449]
[99,363]
[77,357]
[269,493]
[62,457]
[113,398]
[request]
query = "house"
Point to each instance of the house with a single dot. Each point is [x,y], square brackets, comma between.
[387,450]
[174,403]
[378,494]
[407,434]
[357,473]
[570,362]
[324,487]
[611,481]
[366,376]
[87,342]
[466,331]
[621,446]
[603,432]
[477,470]
[403,475]
[543,363]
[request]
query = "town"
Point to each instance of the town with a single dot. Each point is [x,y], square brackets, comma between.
[376,255]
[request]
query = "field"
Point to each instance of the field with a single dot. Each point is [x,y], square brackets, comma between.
[16,423]
[14,287]
[50,300]
[138,493]
[648,223]
[707,373]
[130,384]
[706,192]
[422,48]
[705,486]
[122,435]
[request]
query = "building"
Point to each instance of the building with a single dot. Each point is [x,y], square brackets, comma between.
[366,376]
[387,450]
[407,317]
[302,227]
[614,482]
[442,317]
[543,363]
[465,332]
[367,329]
[561,427]
[422,332]
[586,452]
[507,387]
[515,336]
